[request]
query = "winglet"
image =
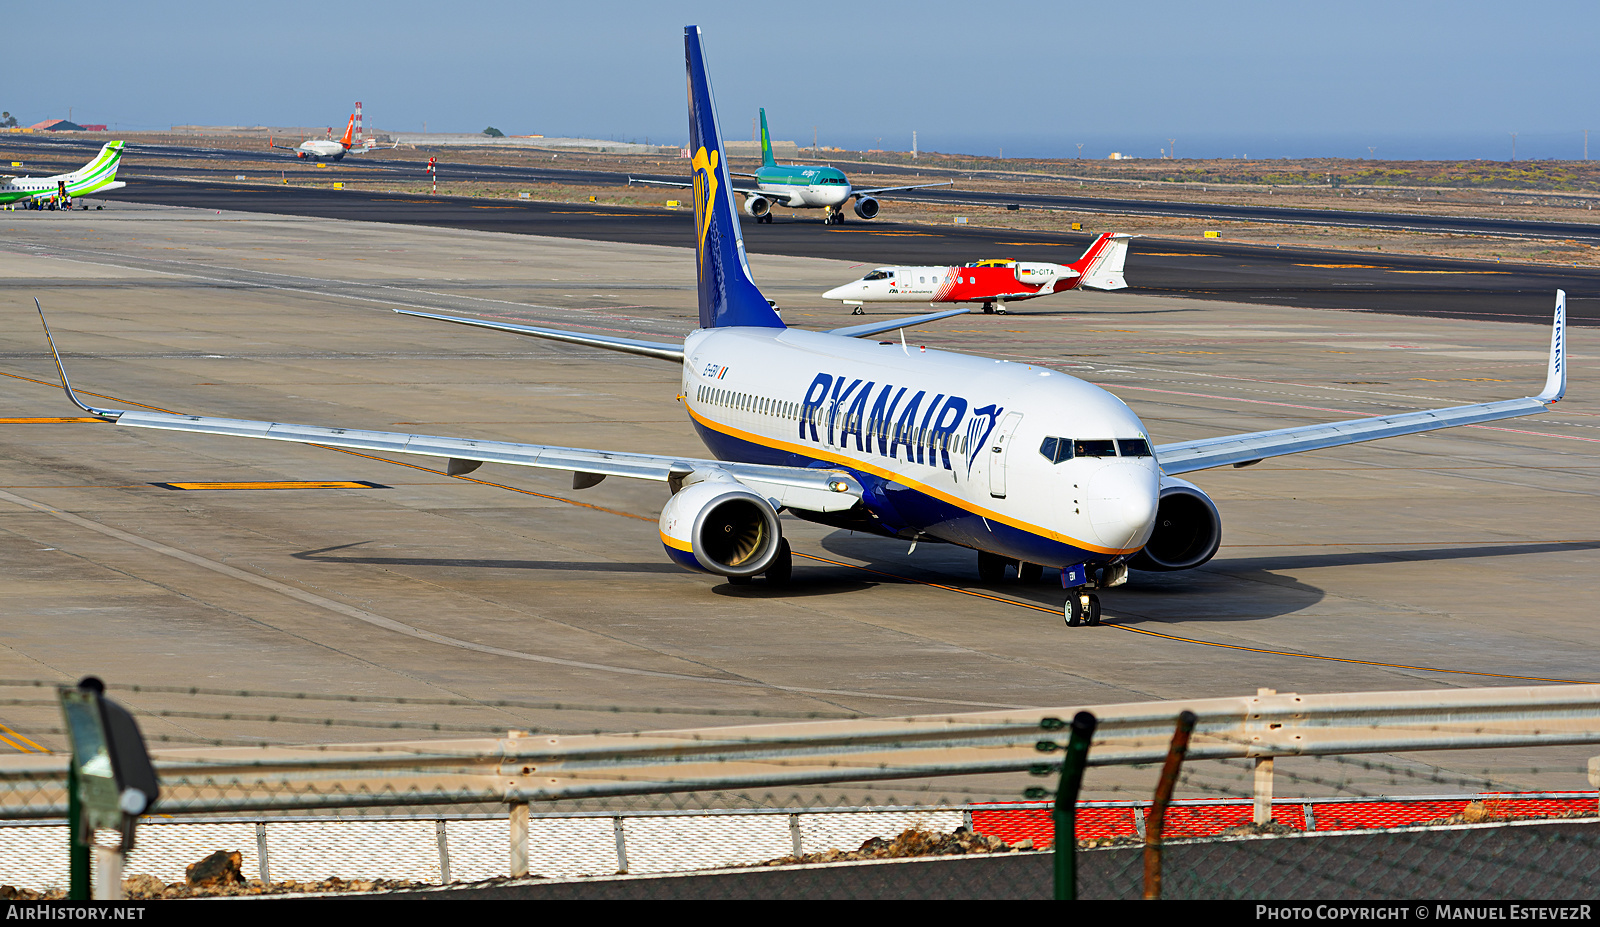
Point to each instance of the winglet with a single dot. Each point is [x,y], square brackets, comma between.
[1555,382]
[108,415]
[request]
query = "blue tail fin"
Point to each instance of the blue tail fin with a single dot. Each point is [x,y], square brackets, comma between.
[727,294]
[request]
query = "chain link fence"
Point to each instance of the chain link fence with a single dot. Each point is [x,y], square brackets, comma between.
[237,776]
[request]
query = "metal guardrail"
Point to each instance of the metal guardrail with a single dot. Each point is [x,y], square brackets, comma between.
[441,848]
[522,768]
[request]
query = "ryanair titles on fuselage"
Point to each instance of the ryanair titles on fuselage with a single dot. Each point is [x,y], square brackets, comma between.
[882,419]
[883,422]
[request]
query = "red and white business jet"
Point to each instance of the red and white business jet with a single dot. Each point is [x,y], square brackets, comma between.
[992,283]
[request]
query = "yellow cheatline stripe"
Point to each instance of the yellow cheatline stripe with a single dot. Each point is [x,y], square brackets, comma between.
[1191,640]
[49,420]
[12,737]
[903,480]
[676,544]
[280,484]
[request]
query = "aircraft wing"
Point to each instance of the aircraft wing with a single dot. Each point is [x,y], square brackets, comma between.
[660,183]
[814,490]
[1245,449]
[778,198]
[873,328]
[366,150]
[656,349]
[915,186]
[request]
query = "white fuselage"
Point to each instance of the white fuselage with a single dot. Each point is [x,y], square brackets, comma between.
[321,150]
[965,468]
[806,196]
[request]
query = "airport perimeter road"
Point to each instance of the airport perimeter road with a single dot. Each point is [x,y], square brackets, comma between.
[1210,270]
[1581,231]
[1463,558]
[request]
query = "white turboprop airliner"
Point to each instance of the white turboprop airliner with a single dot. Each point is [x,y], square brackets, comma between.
[1022,464]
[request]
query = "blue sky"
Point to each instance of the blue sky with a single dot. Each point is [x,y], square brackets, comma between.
[1410,78]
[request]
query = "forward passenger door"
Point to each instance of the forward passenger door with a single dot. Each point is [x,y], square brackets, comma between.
[999,443]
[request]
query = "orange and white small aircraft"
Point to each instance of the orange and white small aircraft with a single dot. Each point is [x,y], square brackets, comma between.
[330,149]
[992,283]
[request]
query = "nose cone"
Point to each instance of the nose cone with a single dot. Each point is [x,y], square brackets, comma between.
[848,291]
[1122,501]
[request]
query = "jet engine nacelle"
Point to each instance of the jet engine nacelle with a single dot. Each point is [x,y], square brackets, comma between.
[1187,533]
[717,525]
[757,206]
[866,207]
[1039,274]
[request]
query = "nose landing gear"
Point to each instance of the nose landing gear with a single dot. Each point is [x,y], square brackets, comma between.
[1083,607]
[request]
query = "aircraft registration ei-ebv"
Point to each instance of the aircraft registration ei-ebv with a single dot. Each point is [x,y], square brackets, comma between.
[1020,463]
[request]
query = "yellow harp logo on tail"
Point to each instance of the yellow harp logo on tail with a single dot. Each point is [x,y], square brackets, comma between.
[705,189]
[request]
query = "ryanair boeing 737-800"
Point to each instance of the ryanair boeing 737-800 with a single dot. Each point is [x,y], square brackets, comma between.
[1021,464]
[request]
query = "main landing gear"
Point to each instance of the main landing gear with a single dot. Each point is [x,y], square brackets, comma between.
[997,308]
[765,219]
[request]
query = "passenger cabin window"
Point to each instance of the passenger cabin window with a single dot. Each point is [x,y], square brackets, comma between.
[1133,447]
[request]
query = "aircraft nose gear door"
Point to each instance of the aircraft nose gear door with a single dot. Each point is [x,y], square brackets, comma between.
[998,443]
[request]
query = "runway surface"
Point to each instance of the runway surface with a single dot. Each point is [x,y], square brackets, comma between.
[1456,559]
[1586,229]
[1212,270]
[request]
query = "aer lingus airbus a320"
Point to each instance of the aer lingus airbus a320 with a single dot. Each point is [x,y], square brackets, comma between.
[1021,464]
[800,186]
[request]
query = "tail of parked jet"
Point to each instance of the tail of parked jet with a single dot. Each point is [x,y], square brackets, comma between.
[767,160]
[728,295]
[349,132]
[1101,265]
[99,174]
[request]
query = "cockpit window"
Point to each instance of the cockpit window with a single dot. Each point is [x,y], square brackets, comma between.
[1057,450]
[879,275]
